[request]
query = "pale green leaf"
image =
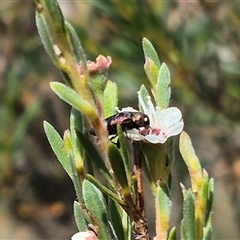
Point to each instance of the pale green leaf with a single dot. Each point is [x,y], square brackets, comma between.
[76,46]
[45,37]
[191,160]
[118,168]
[163,210]
[163,90]
[110,99]
[150,52]
[115,215]
[75,100]
[94,155]
[57,145]
[188,221]
[79,217]
[96,204]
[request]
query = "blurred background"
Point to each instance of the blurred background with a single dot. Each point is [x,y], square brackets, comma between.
[200,43]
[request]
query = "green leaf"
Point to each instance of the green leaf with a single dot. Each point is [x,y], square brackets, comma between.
[94,155]
[207,233]
[163,209]
[45,37]
[157,161]
[79,217]
[52,9]
[191,160]
[201,198]
[76,45]
[163,87]
[150,52]
[104,189]
[151,71]
[51,27]
[116,219]
[110,99]
[57,144]
[118,168]
[97,84]
[76,122]
[124,153]
[172,234]
[188,221]
[148,177]
[96,204]
[72,98]
[209,203]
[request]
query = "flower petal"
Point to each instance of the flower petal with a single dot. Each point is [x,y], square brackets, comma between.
[89,235]
[156,138]
[134,134]
[176,129]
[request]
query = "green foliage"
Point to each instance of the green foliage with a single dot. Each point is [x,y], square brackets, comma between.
[198,199]
[163,210]
[163,87]
[121,191]
[57,144]
[99,214]
[72,98]
[188,230]
[110,99]
[80,220]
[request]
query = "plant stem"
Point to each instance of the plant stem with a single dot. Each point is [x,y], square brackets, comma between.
[139,219]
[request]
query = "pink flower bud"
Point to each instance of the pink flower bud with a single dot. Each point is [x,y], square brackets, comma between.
[102,64]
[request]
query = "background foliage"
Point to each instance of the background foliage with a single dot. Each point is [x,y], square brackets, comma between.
[199,41]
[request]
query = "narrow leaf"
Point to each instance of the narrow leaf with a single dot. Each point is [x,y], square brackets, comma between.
[116,219]
[94,155]
[52,9]
[104,189]
[157,160]
[188,221]
[96,204]
[72,98]
[207,233]
[150,52]
[191,160]
[151,71]
[79,217]
[124,153]
[45,37]
[57,144]
[163,210]
[76,122]
[201,198]
[118,168]
[209,205]
[110,99]
[76,45]
[163,87]
[172,234]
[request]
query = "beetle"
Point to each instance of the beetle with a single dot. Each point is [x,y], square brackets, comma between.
[127,120]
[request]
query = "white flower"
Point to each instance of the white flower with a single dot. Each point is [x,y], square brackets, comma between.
[89,235]
[163,123]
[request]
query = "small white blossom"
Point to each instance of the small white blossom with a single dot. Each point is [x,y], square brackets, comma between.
[89,235]
[164,123]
